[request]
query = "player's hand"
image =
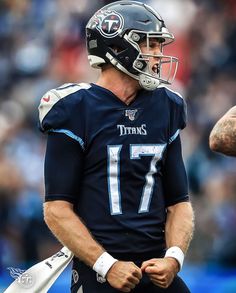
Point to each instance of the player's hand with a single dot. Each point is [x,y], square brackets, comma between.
[161,271]
[124,276]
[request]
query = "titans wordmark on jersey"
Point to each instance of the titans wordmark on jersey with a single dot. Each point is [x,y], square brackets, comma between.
[121,194]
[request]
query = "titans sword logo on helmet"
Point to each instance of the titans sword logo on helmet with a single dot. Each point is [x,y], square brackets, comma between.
[108,23]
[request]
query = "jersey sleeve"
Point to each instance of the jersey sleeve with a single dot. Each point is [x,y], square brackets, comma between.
[175,183]
[52,112]
[61,117]
[178,114]
[62,172]
[60,111]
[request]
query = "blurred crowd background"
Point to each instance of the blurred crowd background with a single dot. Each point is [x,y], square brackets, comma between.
[42,45]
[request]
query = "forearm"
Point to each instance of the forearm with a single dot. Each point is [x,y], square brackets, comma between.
[71,232]
[178,232]
[223,135]
[179,225]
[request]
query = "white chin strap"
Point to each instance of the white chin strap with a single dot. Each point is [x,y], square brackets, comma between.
[148,83]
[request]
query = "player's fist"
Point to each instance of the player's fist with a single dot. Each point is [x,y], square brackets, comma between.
[124,276]
[161,271]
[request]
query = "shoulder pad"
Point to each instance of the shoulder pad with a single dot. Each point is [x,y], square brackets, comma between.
[55,95]
[173,95]
[179,115]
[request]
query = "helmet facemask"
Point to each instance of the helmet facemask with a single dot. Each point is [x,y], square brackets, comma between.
[152,74]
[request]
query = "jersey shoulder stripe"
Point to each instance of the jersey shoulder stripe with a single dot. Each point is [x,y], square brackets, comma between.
[174,136]
[178,108]
[55,95]
[174,96]
[172,91]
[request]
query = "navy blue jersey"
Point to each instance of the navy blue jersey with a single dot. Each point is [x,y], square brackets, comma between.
[120,165]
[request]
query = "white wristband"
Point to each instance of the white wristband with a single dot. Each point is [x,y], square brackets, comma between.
[176,253]
[103,264]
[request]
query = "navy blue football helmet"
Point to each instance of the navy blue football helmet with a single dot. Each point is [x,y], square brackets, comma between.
[113,36]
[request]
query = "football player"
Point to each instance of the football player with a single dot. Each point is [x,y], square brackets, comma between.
[116,186]
[223,135]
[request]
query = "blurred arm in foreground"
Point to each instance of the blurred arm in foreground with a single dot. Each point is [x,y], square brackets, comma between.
[223,135]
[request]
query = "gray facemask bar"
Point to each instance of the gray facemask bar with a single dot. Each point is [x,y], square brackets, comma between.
[147,78]
[171,70]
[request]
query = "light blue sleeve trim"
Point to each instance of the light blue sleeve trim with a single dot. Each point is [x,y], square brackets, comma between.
[71,135]
[173,137]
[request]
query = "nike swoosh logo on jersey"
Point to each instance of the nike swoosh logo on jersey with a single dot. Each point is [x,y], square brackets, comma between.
[47,99]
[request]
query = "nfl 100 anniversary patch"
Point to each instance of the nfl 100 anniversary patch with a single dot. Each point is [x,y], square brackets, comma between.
[131,114]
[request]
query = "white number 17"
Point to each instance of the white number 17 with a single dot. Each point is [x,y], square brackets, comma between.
[136,152]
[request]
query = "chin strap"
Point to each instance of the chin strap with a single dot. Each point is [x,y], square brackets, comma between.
[148,83]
